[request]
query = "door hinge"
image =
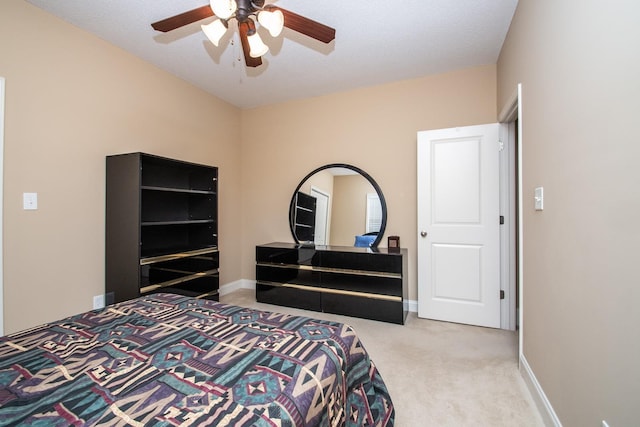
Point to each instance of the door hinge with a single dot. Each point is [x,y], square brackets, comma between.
[500,145]
[501,219]
[501,294]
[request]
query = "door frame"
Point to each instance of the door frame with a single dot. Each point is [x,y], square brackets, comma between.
[2,91]
[508,250]
[511,112]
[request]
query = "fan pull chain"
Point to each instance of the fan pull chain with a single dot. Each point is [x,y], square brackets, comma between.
[237,54]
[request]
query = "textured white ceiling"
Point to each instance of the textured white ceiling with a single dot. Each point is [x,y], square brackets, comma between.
[377,41]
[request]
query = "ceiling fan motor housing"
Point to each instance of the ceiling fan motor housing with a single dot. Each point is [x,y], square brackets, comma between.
[247,8]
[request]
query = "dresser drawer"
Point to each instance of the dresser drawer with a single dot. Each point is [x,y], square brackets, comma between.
[189,265]
[198,287]
[193,272]
[294,256]
[368,308]
[287,296]
[361,261]
[278,274]
[391,286]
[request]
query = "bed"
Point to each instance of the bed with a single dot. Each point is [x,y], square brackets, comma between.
[166,360]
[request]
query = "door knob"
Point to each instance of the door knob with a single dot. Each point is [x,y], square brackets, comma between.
[423,233]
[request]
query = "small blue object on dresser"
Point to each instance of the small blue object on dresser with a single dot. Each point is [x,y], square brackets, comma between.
[365,241]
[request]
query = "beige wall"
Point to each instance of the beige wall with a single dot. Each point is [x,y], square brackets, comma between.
[322,180]
[349,208]
[373,129]
[579,67]
[72,99]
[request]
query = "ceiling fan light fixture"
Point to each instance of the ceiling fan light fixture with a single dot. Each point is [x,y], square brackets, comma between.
[245,12]
[215,30]
[224,9]
[272,21]
[257,48]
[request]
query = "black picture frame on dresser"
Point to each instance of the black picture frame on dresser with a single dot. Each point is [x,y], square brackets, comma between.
[161,231]
[353,281]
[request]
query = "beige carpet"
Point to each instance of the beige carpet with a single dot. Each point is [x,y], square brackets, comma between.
[439,374]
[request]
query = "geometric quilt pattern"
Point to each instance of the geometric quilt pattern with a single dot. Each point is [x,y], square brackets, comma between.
[170,360]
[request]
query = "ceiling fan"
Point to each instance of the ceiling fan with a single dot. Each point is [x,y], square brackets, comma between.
[246,12]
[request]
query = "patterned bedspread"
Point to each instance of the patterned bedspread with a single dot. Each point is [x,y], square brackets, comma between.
[170,360]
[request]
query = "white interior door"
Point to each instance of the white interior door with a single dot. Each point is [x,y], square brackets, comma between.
[459,225]
[322,216]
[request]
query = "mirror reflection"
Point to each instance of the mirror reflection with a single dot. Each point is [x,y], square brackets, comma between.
[337,206]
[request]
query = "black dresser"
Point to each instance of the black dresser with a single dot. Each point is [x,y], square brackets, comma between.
[361,282]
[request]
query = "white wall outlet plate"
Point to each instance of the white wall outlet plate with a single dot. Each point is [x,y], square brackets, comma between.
[98,302]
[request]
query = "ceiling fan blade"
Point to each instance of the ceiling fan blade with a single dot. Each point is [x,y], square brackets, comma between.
[183,19]
[243,29]
[306,26]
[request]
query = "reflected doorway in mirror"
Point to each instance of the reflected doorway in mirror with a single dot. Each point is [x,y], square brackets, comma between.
[322,226]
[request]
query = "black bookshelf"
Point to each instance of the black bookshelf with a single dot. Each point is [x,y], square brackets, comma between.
[161,227]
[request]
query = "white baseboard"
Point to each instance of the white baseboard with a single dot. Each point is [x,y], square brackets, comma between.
[238,284]
[544,406]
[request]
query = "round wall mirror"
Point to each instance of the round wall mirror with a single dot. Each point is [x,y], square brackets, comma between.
[339,205]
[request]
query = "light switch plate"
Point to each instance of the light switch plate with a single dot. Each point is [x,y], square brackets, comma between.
[30,201]
[539,198]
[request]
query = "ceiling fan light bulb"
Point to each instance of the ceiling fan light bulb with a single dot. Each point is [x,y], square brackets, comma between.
[224,9]
[272,21]
[257,48]
[214,31]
